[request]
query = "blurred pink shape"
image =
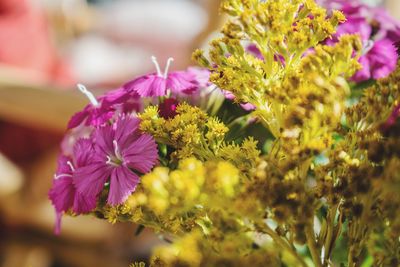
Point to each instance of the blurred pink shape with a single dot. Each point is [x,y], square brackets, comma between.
[25,43]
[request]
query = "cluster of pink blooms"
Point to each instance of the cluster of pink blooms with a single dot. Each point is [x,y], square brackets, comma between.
[108,149]
[379,32]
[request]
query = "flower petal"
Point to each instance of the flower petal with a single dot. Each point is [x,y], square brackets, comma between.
[83,152]
[147,85]
[142,154]
[104,137]
[181,82]
[122,183]
[62,193]
[89,180]
[83,204]
[78,118]
[126,130]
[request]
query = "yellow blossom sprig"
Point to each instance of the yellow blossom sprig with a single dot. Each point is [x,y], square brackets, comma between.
[193,133]
[284,29]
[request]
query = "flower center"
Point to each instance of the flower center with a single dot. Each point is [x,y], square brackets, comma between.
[116,159]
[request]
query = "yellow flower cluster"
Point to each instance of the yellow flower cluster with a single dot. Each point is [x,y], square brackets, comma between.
[232,250]
[179,200]
[285,86]
[193,133]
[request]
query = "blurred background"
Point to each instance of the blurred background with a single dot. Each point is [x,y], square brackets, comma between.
[47,46]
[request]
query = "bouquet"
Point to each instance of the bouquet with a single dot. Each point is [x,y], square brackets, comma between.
[282,149]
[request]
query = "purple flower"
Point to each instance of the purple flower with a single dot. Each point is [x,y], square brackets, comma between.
[200,75]
[378,63]
[101,110]
[378,31]
[91,115]
[252,49]
[158,84]
[167,108]
[63,193]
[245,106]
[120,152]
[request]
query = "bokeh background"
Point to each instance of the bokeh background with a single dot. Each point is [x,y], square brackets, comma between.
[46,47]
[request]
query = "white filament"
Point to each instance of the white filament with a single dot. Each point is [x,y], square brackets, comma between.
[367,46]
[169,61]
[116,150]
[154,59]
[108,160]
[71,166]
[62,175]
[88,94]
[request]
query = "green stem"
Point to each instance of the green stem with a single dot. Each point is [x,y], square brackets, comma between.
[312,245]
[328,244]
[281,242]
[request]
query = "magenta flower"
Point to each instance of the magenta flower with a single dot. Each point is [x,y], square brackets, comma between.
[120,152]
[158,84]
[378,31]
[252,49]
[63,193]
[245,106]
[101,110]
[201,76]
[167,108]
[378,63]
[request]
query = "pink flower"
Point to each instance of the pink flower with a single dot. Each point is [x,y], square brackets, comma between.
[120,152]
[378,31]
[378,63]
[101,110]
[201,76]
[63,193]
[158,84]
[245,106]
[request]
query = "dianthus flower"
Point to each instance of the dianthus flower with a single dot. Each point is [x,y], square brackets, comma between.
[121,151]
[103,109]
[158,84]
[246,106]
[201,75]
[63,193]
[379,33]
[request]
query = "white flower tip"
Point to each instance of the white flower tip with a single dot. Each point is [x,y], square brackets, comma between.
[70,165]
[88,94]
[367,46]
[82,88]
[154,59]
[169,61]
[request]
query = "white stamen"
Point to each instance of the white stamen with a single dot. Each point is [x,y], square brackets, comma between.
[108,160]
[169,61]
[367,46]
[71,166]
[116,150]
[62,175]
[88,94]
[154,59]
